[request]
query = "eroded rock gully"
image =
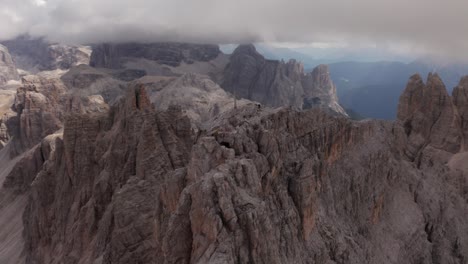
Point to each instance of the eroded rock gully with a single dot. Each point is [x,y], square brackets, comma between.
[254,185]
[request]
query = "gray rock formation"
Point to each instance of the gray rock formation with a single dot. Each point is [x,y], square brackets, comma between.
[173,54]
[429,116]
[273,83]
[7,66]
[245,74]
[36,54]
[39,105]
[320,91]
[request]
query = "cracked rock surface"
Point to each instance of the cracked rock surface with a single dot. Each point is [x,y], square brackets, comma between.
[135,185]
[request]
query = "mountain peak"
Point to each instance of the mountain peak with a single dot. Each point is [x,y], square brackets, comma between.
[429,115]
[278,83]
[246,48]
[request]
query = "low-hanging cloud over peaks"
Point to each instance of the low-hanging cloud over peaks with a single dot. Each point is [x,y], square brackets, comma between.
[436,26]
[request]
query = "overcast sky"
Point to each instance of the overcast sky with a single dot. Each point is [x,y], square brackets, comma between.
[435,26]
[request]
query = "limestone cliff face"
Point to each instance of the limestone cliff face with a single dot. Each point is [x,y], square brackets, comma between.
[273,83]
[320,91]
[7,66]
[173,54]
[135,185]
[39,105]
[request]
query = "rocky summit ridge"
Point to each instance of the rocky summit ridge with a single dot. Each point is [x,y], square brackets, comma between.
[103,165]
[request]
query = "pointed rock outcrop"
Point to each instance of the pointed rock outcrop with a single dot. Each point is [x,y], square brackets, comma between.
[276,83]
[429,116]
[320,91]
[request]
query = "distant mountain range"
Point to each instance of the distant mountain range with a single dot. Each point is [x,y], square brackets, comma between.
[313,56]
[372,89]
[368,83]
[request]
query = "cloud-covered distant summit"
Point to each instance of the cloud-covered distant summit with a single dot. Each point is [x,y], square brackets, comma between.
[437,26]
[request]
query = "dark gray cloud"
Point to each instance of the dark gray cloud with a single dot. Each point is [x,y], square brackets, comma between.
[435,26]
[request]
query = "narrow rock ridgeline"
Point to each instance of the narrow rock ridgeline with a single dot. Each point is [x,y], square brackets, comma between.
[137,185]
[273,83]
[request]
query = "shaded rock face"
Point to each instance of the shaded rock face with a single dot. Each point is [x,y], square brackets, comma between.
[273,83]
[249,75]
[24,172]
[35,54]
[7,66]
[173,54]
[429,116]
[460,99]
[135,185]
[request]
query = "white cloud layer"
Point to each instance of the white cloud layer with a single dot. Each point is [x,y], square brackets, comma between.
[436,26]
